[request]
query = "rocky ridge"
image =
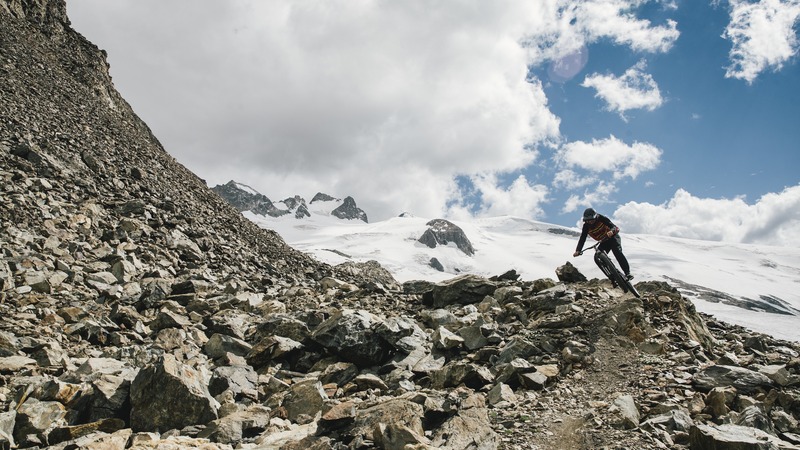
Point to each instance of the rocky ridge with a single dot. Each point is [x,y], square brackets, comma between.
[142,311]
[443,232]
[245,198]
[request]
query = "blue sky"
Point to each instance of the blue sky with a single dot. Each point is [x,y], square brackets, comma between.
[674,117]
[721,137]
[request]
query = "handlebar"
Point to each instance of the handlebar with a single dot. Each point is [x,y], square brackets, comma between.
[594,246]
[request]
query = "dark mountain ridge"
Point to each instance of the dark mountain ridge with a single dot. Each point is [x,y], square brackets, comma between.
[245,198]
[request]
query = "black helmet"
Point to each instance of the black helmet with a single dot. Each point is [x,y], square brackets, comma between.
[589,214]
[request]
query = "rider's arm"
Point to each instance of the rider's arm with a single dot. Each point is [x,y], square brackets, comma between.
[607,222]
[582,239]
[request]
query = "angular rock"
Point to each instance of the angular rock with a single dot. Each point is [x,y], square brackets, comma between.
[733,437]
[219,344]
[169,395]
[462,290]
[304,399]
[569,274]
[744,380]
[35,420]
[352,335]
[442,232]
[628,412]
[241,381]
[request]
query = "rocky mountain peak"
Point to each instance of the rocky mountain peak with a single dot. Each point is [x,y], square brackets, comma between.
[320,197]
[245,198]
[349,211]
[442,232]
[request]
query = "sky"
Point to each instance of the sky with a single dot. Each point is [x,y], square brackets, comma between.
[672,117]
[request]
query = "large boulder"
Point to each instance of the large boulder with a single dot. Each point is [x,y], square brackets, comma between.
[354,336]
[569,274]
[462,290]
[745,381]
[168,395]
[734,437]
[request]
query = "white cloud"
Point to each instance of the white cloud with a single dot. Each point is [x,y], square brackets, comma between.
[610,155]
[386,101]
[520,198]
[569,179]
[772,220]
[564,27]
[598,195]
[613,19]
[763,36]
[600,158]
[634,89]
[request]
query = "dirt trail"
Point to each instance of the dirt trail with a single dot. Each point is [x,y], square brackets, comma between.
[577,413]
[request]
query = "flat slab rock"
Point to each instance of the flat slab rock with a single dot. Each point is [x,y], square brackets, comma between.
[734,437]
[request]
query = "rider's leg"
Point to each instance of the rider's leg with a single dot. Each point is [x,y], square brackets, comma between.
[615,245]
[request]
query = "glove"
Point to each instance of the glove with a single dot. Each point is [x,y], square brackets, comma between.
[577,253]
[610,233]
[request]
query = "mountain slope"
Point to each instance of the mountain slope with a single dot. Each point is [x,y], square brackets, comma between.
[755,286]
[63,119]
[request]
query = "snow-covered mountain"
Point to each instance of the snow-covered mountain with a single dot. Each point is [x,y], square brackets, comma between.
[247,199]
[754,286]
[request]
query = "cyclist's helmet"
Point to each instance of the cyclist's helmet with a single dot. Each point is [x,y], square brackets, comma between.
[589,214]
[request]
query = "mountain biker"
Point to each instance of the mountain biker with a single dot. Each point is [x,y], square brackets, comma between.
[600,228]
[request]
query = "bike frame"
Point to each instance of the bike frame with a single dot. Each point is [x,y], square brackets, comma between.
[609,269]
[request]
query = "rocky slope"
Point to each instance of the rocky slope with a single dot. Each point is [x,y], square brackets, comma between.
[142,311]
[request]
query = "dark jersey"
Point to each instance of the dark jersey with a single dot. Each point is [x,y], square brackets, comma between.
[597,229]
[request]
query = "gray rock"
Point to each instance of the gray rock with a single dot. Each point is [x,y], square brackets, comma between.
[628,412]
[442,232]
[349,211]
[36,419]
[733,437]
[569,274]
[744,380]
[170,395]
[461,290]
[219,344]
[352,335]
[305,398]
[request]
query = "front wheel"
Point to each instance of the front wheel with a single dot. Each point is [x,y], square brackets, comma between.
[628,287]
[608,267]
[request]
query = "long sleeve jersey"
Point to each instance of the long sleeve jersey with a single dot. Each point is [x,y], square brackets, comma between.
[597,229]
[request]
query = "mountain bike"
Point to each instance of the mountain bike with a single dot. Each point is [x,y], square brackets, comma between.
[610,270]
